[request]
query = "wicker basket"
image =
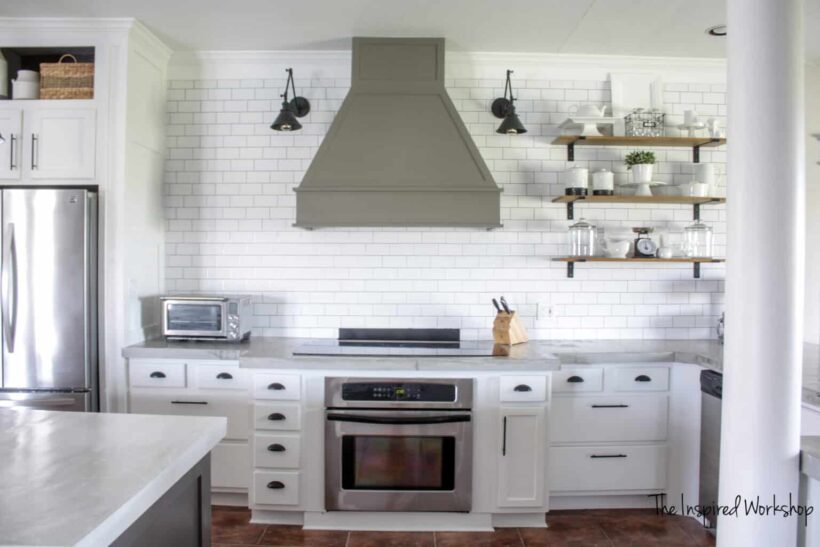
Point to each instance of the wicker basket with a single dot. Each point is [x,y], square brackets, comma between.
[67,80]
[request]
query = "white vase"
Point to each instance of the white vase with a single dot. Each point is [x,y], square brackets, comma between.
[642,173]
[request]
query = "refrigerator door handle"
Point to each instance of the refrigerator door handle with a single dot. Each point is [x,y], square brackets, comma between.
[9,289]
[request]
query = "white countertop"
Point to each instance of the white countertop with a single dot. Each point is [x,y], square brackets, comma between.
[71,478]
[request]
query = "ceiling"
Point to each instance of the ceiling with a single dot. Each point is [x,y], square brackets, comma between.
[618,27]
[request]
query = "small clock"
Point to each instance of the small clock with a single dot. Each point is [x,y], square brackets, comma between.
[644,246]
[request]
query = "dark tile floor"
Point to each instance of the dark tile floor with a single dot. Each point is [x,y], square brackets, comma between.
[592,528]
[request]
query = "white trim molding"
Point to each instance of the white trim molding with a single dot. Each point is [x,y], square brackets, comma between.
[193,65]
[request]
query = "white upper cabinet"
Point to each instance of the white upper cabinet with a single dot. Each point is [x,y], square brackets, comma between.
[11,128]
[52,143]
[61,142]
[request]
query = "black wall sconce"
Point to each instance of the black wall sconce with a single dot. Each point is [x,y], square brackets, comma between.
[504,108]
[298,107]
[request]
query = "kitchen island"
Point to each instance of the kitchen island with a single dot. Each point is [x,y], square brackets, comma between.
[73,478]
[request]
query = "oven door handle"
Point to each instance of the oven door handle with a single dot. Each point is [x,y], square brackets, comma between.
[398,420]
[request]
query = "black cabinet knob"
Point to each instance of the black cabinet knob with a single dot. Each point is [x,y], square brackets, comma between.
[276,417]
[575,380]
[276,448]
[224,376]
[522,387]
[157,374]
[276,485]
[276,386]
[643,378]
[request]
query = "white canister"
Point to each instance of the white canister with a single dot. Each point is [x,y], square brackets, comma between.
[28,76]
[603,183]
[576,181]
[705,173]
[25,90]
[4,77]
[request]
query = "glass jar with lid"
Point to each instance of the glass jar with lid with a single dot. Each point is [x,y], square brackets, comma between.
[697,240]
[582,236]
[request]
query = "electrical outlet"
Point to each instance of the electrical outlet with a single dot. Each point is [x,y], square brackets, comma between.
[544,310]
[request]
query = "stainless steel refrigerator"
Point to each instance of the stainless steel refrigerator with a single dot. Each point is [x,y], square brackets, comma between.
[48,299]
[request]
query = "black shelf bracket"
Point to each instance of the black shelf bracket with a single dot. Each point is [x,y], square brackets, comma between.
[697,270]
[696,212]
[571,147]
[570,210]
[570,269]
[696,149]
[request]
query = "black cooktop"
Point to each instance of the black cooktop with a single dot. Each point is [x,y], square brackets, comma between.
[397,343]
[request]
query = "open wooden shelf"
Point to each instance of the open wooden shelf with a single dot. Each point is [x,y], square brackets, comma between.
[696,202]
[695,143]
[696,261]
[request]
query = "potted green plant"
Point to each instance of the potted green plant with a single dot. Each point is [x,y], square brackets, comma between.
[640,162]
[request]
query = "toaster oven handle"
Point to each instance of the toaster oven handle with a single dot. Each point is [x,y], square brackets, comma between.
[399,420]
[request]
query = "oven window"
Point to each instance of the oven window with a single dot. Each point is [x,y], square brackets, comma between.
[195,317]
[398,463]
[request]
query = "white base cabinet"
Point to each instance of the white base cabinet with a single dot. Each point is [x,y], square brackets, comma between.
[200,388]
[521,463]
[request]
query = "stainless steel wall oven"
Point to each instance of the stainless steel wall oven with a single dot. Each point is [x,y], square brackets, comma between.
[398,444]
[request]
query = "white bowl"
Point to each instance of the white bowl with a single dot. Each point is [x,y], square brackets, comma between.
[617,249]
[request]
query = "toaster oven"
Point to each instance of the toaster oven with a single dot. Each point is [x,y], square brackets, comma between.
[226,318]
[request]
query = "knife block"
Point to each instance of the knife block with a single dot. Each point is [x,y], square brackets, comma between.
[508,330]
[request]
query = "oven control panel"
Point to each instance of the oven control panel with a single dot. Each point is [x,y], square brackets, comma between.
[410,392]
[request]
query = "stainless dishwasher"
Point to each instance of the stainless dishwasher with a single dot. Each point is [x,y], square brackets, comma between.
[711,387]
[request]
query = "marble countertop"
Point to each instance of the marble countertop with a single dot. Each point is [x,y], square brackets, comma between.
[537,354]
[72,478]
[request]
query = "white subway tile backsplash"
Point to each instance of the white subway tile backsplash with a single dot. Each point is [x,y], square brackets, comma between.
[230,207]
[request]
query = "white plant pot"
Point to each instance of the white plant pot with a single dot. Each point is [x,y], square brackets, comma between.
[642,173]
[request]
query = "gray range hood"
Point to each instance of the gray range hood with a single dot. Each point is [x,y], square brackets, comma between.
[397,152]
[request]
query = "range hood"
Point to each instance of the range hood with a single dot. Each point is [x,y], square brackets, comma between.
[397,152]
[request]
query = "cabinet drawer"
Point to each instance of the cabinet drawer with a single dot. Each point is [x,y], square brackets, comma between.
[284,387]
[523,388]
[607,468]
[637,379]
[277,416]
[275,488]
[276,450]
[606,418]
[185,403]
[578,380]
[231,466]
[150,373]
[228,376]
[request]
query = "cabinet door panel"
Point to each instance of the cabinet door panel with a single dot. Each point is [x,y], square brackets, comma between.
[521,458]
[11,130]
[231,466]
[60,143]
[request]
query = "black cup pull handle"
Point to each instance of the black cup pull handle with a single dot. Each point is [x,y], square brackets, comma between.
[276,448]
[276,485]
[276,386]
[522,387]
[643,378]
[575,380]
[157,374]
[224,376]
[276,417]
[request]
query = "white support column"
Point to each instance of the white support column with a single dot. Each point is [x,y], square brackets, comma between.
[764,288]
